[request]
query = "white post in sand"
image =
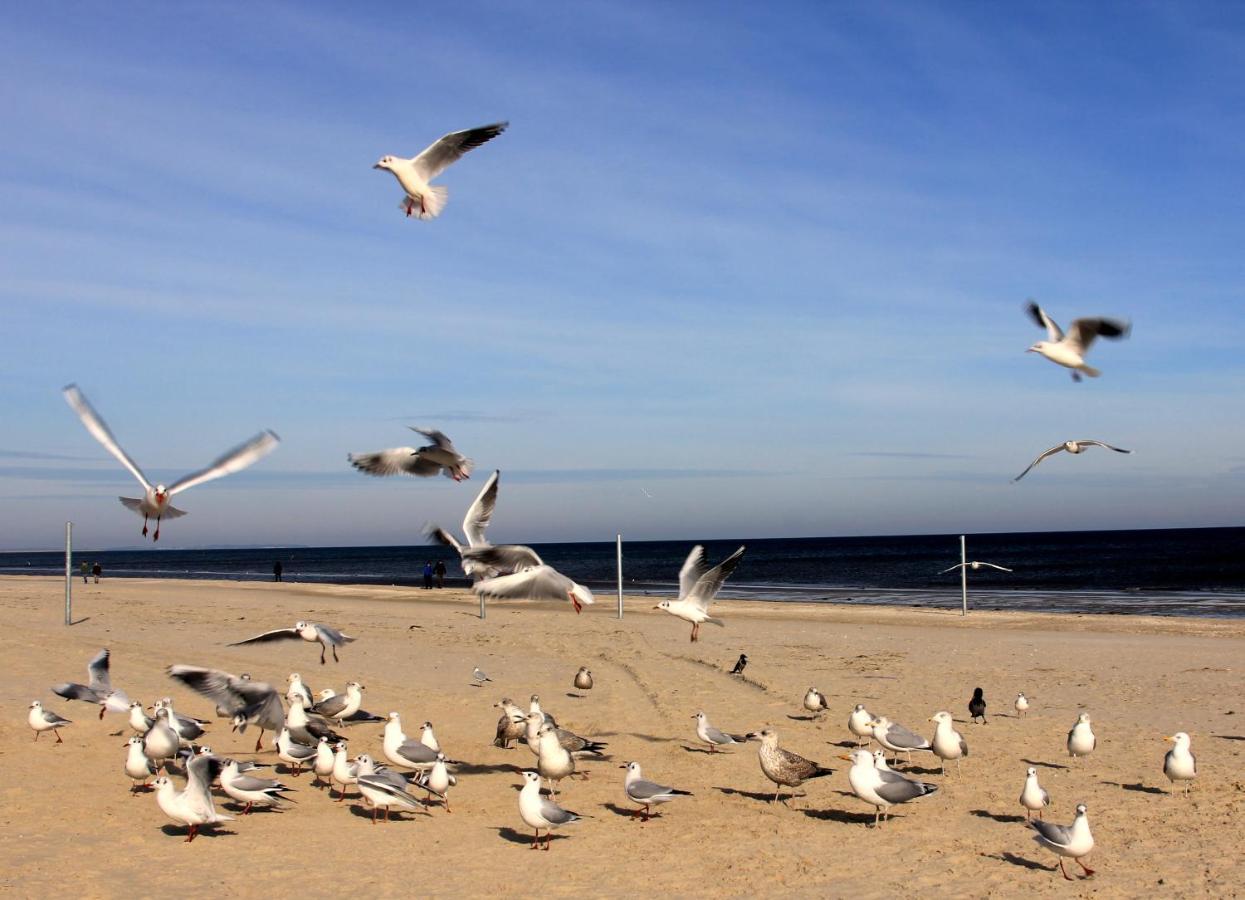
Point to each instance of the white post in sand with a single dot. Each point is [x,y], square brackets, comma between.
[963,578]
[620,586]
[481,606]
[69,573]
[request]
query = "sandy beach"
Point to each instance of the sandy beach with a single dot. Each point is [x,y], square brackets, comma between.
[69,818]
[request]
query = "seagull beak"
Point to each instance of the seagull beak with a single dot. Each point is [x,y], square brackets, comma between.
[378,166]
[1171,738]
[848,758]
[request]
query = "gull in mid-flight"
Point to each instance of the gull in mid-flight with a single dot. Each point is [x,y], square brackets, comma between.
[1073,447]
[974,565]
[529,579]
[424,200]
[1069,349]
[98,690]
[156,500]
[698,585]
[475,522]
[425,462]
[328,638]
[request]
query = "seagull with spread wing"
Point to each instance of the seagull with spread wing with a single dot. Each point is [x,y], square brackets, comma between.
[1073,447]
[156,500]
[530,577]
[98,690]
[436,458]
[1068,350]
[698,585]
[245,701]
[424,200]
[974,565]
[475,522]
[328,638]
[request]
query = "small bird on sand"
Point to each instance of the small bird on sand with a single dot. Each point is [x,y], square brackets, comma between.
[1081,739]
[538,812]
[478,677]
[583,679]
[713,736]
[784,768]
[137,765]
[424,200]
[42,720]
[815,701]
[646,793]
[1072,841]
[1033,796]
[1069,350]
[860,723]
[882,788]
[1179,763]
[1021,705]
[897,739]
[1073,447]
[740,664]
[977,706]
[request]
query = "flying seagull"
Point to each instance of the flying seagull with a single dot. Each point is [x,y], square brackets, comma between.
[1073,447]
[421,199]
[245,701]
[1069,350]
[698,585]
[98,690]
[156,500]
[475,522]
[425,462]
[974,565]
[328,638]
[530,578]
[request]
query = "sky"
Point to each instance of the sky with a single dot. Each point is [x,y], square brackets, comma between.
[735,269]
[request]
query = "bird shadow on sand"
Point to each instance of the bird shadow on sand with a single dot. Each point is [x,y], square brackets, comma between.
[706,752]
[804,718]
[1044,765]
[488,769]
[763,796]
[849,745]
[1138,788]
[1229,737]
[1017,860]
[211,832]
[359,811]
[650,738]
[627,813]
[839,815]
[238,807]
[997,817]
[507,833]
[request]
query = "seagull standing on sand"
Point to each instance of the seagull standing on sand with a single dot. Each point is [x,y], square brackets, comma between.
[815,701]
[294,753]
[1022,705]
[424,462]
[882,788]
[98,690]
[250,789]
[1081,739]
[947,743]
[322,765]
[713,737]
[1069,350]
[341,706]
[583,679]
[1072,841]
[192,806]
[698,585]
[860,723]
[424,200]
[1073,447]
[383,793]
[328,638]
[479,677]
[296,688]
[1179,763]
[897,739]
[784,768]
[139,721]
[475,523]
[511,726]
[538,812]
[137,765]
[977,707]
[438,781]
[646,793]
[553,761]
[155,502]
[1033,796]
[403,752]
[345,773]
[161,742]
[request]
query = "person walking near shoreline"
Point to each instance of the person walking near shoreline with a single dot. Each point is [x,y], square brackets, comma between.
[277,569]
[428,575]
[84,569]
[97,570]
[439,571]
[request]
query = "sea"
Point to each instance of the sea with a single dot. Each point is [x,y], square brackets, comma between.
[1186,572]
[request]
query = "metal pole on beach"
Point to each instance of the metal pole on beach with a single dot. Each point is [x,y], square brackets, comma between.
[69,573]
[963,578]
[620,586]
[481,606]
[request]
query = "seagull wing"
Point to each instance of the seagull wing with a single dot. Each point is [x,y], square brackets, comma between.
[441,536]
[1083,331]
[333,636]
[533,583]
[1059,835]
[504,557]
[1039,316]
[393,461]
[438,438]
[956,566]
[95,425]
[897,789]
[993,566]
[281,634]
[226,690]
[97,668]
[201,771]
[695,566]
[1101,444]
[902,737]
[480,513]
[708,585]
[1041,456]
[556,815]
[235,460]
[436,158]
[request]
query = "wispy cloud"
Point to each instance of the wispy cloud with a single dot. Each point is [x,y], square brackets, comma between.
[887,454]
[578,476]
[462,415]
[35,454]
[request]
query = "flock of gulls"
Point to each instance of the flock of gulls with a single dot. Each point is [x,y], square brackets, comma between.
[407,775]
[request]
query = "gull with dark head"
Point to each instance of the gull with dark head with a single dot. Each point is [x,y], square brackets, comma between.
[433,459]
[424,200]
[698,585]
[1068,350]
[156,500]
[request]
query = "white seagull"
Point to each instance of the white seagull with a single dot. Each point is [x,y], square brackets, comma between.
[137,765]
[1081,739]
[1022,705]
[531,581]
[479,513]
[715,737]
[425,462]
[538,812]
[1179,763]
[42,720]
[1069,350]
[421,199]
[881,788]
[860,723]
[947,743]
[1073,841]
[156,499]
[328,638]
[698,585]
[975,565]
[98,690]
[646,793]
[1073,447]
[192,806]
[1033,797]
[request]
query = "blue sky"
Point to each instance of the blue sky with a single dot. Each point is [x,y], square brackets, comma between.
[734,270]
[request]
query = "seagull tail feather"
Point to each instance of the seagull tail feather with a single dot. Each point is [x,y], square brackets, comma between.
[1090,371]
[717,622]
[434,201]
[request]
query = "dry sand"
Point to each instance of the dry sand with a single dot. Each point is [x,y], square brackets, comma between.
[69,822]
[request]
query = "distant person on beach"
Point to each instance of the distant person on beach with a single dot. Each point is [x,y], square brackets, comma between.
[277,569]
[439,571]
[97,570]
[84,569]
[428,575]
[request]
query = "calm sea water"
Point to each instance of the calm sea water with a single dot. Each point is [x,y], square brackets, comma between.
[1197,572]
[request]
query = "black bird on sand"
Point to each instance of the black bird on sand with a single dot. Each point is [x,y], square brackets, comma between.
[739,664]
[977,706]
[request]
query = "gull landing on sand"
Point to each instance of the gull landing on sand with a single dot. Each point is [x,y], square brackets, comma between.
[532,581]
[98,690]
[475,523]
[1069,350]
[424,200]
[328,638]
[156,500]
[1073,447]
[698,585]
